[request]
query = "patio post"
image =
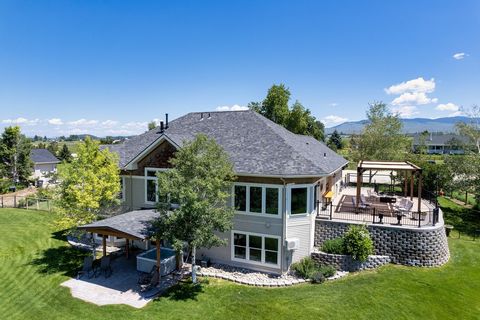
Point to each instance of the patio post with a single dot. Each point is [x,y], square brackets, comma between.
[411,186]
[359,185]
[405,187]
[104,244]
[127,247]
[419,193]
[157,243]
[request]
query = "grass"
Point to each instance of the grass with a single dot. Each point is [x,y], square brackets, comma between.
[463,219]
[34,260]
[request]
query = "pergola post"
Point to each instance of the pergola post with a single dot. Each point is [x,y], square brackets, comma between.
[359,185]
[411,186]
[127,247]
[419,193]
[104,244]
[405,184]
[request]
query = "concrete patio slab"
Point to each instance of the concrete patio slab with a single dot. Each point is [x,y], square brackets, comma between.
[120,288]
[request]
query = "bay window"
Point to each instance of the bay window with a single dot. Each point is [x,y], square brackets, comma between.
[300,199]
[256,248]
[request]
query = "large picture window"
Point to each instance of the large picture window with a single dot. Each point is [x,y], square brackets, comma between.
[257,199]
[256,248]
[151,188]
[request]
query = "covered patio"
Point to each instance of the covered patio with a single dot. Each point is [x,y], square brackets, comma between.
[122,285]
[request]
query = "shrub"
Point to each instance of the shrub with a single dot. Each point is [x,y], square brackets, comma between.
[305,267]
[357,243]
[317,277]
[333,246]
[327,271]
[4,185]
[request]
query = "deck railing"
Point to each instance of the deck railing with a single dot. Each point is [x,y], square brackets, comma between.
[375,215]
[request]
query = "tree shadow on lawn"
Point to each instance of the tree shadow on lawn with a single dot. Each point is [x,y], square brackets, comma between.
[66,260]
[185,290]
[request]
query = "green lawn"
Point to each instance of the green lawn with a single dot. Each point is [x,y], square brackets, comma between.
[34,261]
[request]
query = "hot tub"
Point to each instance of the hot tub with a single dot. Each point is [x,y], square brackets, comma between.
[148,259]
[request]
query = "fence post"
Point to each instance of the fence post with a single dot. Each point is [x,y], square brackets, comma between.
[331,210]
[374,212]
[419,219]
[26,201]
[48,204]
[38,206]
[15,201]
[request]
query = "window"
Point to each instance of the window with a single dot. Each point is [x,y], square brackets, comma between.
[299,201]
[257,199]
[151,188]
[240,246]
[256,248]
[271,200]
[241,198]
[121,194]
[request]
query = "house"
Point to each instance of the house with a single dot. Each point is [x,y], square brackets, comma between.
[440,143]
[44,164]
[282,178]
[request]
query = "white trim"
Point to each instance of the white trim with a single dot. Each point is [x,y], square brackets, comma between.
[264,199]
[247,251]
[124,189]
[131,165]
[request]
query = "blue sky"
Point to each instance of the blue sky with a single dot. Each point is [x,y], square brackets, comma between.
[108,67]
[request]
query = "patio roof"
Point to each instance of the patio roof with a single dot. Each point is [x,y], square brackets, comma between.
[387,165]
[131,225]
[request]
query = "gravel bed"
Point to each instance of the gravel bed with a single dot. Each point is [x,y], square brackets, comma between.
[255,278]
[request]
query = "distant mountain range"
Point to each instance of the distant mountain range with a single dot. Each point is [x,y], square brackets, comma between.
[409,125]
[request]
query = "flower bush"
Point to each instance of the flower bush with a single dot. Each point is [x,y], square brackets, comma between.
[357,243]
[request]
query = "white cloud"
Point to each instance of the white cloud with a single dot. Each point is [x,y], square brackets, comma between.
[55,121]
[416,98]
[333,104]
[235,107]
[406,111]
[460,55]
[332,120]
[109,123]
[21,121]
[415,85]
[447,107]
[83,122]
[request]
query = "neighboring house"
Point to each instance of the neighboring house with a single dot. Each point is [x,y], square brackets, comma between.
[440,143]
[44,164]
[282,178]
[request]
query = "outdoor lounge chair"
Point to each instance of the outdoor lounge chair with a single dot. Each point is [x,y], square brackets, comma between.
[402,204]
[152,283]
[87,268]
[360,205]
[105,266]
[363,201]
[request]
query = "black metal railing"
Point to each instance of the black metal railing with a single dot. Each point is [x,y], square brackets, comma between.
[378,215]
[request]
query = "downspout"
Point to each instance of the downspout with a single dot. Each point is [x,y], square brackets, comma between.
[131,190]
[284,224]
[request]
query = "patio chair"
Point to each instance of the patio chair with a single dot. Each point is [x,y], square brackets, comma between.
[372,195]
[360,205]
[402,204]
[364,202]
[407,208]
[105,266]
[152,283]
[87,268]
[145,278]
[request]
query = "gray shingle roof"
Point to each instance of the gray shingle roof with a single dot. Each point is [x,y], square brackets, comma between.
[135,223]
[255,144]
[43,156]
[440,139]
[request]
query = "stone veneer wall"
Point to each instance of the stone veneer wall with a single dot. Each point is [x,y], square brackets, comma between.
[346,263]
[426,247]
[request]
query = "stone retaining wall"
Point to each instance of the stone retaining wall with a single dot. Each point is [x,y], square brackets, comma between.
[426,247]
[346,263]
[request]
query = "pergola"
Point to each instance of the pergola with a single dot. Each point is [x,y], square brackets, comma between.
[400,166]
[133,225]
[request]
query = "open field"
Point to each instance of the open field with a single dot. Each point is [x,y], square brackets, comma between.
[34,260]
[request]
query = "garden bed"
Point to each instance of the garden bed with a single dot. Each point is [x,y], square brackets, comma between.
[346,263]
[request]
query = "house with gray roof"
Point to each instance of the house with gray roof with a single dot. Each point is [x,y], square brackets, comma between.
[44,165]
[282,179]
[441,143]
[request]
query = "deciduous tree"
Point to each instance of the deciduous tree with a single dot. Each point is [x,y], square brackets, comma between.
[471,128]
[200,184]
[15,163]
[89,184]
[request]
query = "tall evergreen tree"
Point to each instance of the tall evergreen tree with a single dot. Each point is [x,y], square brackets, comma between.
[64,154]
[15,163]
[335,141]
